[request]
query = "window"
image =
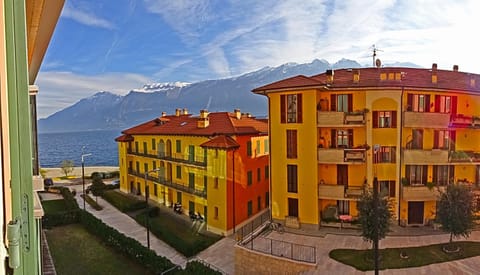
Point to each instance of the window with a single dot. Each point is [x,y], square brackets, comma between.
[446,104]
[292,178]
[179,197]
[179,172]
[418,103]
[293,207]
[191,207]
[267,172]
[416,174]
[291,108]
[191,153]
[259,174]
[155,191]
[417,139]
[259,203]
[154,145]
[215,213]
[342,138]
[145,148]
[341,102]
[136,146]
[249,148]
[205,183]
[387,188]
[258,150]
[342,174]
[265,145]
[384,119]
[249,208]
[443,174]
[291,144]
[385,154]
[441,139]
[343,207]
[154,165]
[191,180]
[267,199]
[130,165]
[178,146]
[249,178]
[215,184]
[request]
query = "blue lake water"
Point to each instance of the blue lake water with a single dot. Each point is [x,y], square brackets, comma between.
[53,148]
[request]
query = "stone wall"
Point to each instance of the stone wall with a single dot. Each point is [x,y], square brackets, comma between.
[252,262]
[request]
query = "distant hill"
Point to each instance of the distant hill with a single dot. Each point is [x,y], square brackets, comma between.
[105,110]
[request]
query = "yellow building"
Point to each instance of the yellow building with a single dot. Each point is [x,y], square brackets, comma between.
[214,164]
[416,130]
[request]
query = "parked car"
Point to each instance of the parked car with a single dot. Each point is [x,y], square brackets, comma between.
[48,182]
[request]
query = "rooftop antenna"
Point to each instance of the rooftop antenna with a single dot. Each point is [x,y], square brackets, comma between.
[376,62]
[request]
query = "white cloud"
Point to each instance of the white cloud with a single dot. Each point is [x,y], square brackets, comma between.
[58,90]
[85,17]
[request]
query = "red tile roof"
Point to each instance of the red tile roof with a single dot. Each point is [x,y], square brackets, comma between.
[124,138]
[370,77]
[221,142]
[219,123]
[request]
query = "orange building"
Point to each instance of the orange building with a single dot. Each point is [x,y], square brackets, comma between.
[214,164]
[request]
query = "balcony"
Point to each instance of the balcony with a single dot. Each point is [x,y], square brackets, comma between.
[464,157]
[339,192]
[463,121]
[341,155]
[419,156]
[161,180]
[340,119]
[426,120]
[421,193]
[177,157]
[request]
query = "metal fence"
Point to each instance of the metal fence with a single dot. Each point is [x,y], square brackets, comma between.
[293,251]
[244,231]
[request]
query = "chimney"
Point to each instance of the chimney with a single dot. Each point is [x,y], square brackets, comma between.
[164,114]
[434,73]
[185,111]
[238,115]
[455,68]
[177,112]
[329,74]
[356,76]
[203,113]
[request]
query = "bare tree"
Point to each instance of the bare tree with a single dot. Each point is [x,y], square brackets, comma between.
[67,166]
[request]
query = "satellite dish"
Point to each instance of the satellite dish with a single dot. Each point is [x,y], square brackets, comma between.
[378,63]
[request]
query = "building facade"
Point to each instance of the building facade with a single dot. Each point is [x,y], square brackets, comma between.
[214,164]
[416,130]
[26,30]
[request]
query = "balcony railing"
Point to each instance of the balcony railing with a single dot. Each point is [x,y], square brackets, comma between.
[341,155]
[339,192]
[176,157]
[460,120]
[161,180]
[421,192]
[419,156]
[465,157]
[426,120]
[336,119]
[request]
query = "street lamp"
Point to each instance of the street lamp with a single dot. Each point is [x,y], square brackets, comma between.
[83,174]
[147,219]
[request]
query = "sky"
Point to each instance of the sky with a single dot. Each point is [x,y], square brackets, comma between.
[120,45]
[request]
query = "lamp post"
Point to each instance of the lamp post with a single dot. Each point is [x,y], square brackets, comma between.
[147,218]
[83,174]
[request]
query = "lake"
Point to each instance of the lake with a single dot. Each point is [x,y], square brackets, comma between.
[53,148]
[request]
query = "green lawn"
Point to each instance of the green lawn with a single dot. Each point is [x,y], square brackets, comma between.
[417,256]
[54,206]
[75,251]
[177,234]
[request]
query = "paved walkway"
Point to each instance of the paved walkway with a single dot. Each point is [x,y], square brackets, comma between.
[126,225]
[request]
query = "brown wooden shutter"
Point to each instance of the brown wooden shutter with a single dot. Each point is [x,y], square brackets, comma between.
[350,138]
[454,105]
[435,139]
[427,103]
[394,119]
[424,174]
[391,188]
[453,140]
[350,102]
[333,138]
[283,109]
[375,119]
[437,103]
[299,108]
[409,102]
[333,103]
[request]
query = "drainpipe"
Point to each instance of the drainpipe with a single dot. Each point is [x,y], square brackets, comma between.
[233,189]
[400,193]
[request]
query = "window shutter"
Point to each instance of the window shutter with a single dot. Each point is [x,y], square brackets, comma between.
[391,188]
[437,103]
[424,174]
[454,105]
[333,103]
[283,109]
[350,138]
[409,102]
[394,119]
[294,143]
[375,119]
[333,138]
[435,139]
[427,103]
[299,108]
[350,102]
[453,139]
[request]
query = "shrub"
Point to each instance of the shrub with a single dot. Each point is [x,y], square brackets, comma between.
[92,202]
[196,267]
[68,216]
[123,202]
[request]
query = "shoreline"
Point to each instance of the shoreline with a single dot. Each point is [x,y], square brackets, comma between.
[55,172]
